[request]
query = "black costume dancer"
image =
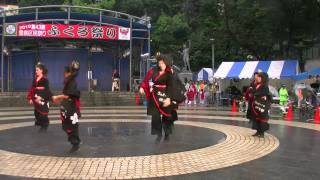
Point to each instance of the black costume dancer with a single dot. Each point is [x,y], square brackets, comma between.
[159,93]
[70,105]
[39,95]
[249,98]
[260,105]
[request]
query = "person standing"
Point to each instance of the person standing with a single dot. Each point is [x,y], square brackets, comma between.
[115,81]
[159,95]
[197,97]
[260,104]
[283,93]
[70,105]
[206,93]
[187,85]
[217,93]
[191,94]
[201,93]
[212,90]
[39,95]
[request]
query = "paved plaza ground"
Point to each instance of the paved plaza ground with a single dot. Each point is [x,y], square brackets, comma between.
[207,143]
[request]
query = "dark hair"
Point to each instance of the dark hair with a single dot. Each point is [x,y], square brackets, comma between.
[164,59]
[264,77]
[73,68]
[67,69]
[43,68]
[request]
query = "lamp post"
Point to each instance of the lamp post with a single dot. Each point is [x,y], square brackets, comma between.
[149,43]
[212,53]
[149,38]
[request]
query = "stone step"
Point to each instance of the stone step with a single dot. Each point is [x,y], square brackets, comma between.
[18,99]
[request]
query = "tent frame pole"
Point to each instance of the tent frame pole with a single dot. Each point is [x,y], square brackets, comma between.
[2,51]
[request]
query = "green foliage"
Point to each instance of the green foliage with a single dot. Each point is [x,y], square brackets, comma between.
[104,4]
[263,28]
[134,7]
[170,33]
[22,3]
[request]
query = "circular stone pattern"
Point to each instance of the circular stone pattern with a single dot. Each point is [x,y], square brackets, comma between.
[239,147]
[106,140]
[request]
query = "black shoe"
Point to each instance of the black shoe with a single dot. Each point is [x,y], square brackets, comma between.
[159,137]
[166,137]
[256,134]
[261,135]
[43,129]
[74,148]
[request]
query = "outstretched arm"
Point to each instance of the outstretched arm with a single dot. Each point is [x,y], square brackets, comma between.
[58,98]
[144,86]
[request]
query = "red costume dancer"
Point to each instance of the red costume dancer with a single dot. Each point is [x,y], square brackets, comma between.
[39,95]
[158,87]
[192,91]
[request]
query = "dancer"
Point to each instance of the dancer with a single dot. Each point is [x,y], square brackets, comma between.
[249,97]
[260,104]
[192,92]
[159,95]
[39,95]
[115,81]
[70,105]
[203,92]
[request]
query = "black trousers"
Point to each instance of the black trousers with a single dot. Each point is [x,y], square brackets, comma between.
[261,127]
[159,122]
[72,131]
[41,120]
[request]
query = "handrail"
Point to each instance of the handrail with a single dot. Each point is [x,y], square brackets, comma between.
[70,7]
[75,20]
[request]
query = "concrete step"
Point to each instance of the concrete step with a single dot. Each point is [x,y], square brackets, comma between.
[18,99]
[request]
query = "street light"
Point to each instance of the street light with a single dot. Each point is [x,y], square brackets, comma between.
[149,34]
[212,53]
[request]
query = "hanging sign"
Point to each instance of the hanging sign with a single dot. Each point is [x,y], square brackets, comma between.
[67,31]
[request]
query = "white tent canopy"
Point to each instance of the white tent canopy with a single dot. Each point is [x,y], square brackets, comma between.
[205,74]
[245,69]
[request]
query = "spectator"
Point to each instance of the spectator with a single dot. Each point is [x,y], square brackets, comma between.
[283,93]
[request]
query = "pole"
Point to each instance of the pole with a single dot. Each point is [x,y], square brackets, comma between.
[119,56]
[89,70]
[149,47]
[8,72]
[141,59]
[2,53]
[149,39]
[130,60]
[212,49]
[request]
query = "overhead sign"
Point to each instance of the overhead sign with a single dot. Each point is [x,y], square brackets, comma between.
[67,31]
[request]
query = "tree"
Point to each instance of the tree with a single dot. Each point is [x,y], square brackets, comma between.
[170,33]
[23,3]
[106,4]
[266,29]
